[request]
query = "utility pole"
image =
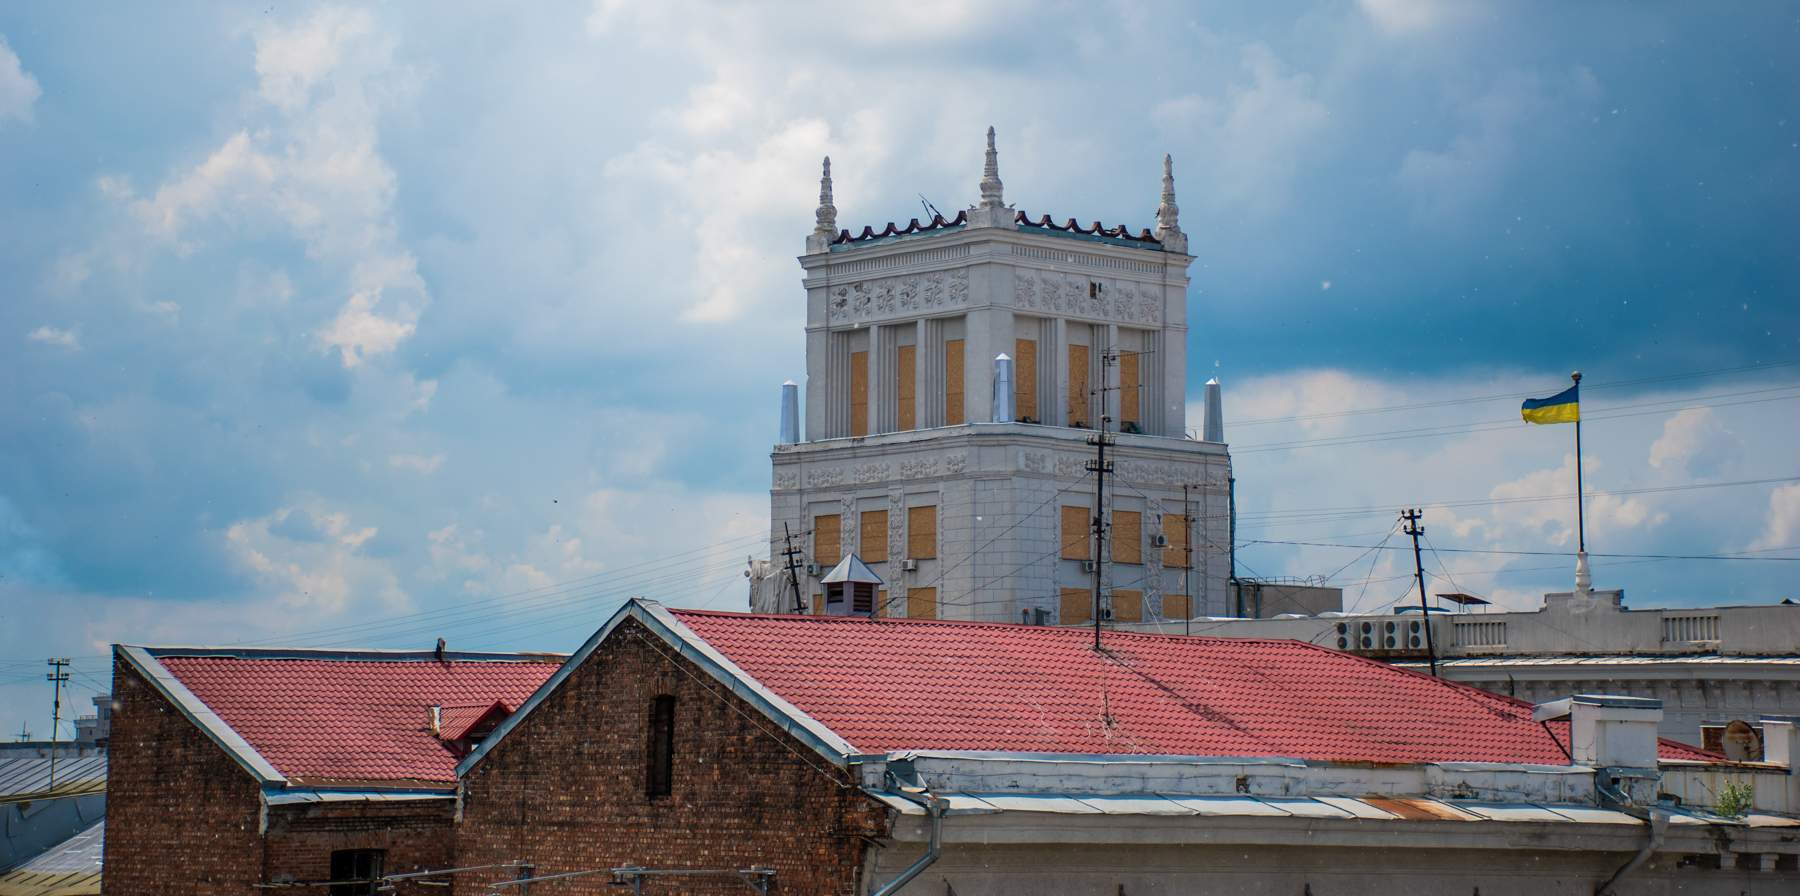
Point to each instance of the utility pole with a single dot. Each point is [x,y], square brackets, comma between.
[1187,539]
[792,567]
[1099,466]
[1413,528]
[58,676]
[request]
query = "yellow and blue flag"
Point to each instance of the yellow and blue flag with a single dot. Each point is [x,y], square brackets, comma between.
[1563,407]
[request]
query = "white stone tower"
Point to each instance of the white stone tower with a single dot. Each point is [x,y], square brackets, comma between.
[961,515]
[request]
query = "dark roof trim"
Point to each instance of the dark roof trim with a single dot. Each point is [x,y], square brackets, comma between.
[349,656]
[693,648]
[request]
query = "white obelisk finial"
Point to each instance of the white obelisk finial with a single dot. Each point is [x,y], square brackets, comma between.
[826,230]
[1168,225]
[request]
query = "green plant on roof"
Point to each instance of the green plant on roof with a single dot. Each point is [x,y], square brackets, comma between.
[1734,799]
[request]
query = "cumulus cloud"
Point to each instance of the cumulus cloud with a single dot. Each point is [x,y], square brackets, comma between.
[1398,18]
[18,89]
[1781,525]
[313,555]
[417,462]
[52,336]
[1696,441]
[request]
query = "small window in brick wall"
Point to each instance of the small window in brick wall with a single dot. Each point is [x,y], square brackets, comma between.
[358,865]
[660,771]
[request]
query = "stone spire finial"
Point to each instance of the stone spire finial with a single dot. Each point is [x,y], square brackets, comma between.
[990,176]
[826,230]
[1168,227]
[992,211]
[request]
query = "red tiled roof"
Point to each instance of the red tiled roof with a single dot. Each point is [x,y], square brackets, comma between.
[924,685]
[458,720]
[350,720]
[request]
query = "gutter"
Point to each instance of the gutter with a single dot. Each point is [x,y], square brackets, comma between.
[1659,826]
[934,804]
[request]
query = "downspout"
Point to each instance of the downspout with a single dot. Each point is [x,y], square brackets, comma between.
[1659,825]
[935,805]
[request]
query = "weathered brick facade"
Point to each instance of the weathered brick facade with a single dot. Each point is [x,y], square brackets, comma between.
[184,818]
[566,789]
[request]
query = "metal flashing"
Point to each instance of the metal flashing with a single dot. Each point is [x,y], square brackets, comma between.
[671,630]
[388,656]
[1111,759]
[199,714]
[289,797]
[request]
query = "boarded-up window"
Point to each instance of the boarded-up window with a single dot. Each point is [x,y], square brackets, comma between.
[818,604]
[1077,606]
[921,532]
[1175,529]
[828,539]
[874,536]
[1078,386]
[1128,388]
[1128,606]
[881,604]
[953,382]
[1025,391]
[859,393]
[1075,533]
[1178,606]
[904,377]
[1127,536]
[921,603]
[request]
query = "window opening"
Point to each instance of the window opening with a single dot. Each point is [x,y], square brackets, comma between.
[659,777]
[361,865]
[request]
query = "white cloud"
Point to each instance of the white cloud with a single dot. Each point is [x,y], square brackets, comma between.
[1696,441]
[1398,18]
[359,332]
[1781,526]
[417,462]
[70,339]
[18,89]
[312,559]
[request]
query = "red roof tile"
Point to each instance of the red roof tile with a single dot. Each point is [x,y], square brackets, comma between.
[350,720]
[922,685]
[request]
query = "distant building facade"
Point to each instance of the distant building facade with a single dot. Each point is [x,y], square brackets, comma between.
[957,373]
[1707,665]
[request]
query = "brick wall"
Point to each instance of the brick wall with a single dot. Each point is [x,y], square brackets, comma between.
[566,788]
[181,815]
[183,818]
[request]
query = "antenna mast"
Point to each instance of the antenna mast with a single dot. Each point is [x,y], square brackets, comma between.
[1413,528]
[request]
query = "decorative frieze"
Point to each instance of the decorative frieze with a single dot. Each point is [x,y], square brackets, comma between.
[825,478]
[787,479]
[1032,462]
[956,463]
[917,467]
[894,296]
[872,472]
[1070,467]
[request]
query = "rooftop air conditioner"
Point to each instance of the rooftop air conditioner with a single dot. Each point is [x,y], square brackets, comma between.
[1087,566]
[1161,541]
[812,569]
[909,565]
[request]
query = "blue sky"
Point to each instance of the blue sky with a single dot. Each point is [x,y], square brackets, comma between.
[334,324]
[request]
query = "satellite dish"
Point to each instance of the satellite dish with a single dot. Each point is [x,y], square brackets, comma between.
[1741,742]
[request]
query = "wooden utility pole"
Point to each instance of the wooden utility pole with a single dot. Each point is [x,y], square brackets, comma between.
[58,676]
[1413,528]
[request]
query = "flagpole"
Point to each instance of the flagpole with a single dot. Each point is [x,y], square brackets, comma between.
[1583,581]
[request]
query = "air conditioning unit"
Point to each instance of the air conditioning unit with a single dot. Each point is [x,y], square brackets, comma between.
[812,569]
[1161,541]
[909,565]
[1087,566]
[1106,614]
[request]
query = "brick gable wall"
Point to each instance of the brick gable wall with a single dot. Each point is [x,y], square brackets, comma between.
[181,815]
[566,788]
[184,819]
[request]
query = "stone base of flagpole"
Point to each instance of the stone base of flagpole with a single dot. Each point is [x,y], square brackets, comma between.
[1583,581]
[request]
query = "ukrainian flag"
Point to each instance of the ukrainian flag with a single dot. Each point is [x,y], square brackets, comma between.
[1564,407]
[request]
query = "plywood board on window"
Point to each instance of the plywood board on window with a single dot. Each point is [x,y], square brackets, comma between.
[1078,386]
[1128,606]
[881,602]
[874,547]
[1178,606]
[1077,604]
[921,532]
[828,539]
[1025,379]
[905,376]
[1175,529]
[953,382]
[859,393]
[921,603]
[1075,533]
[1128,536]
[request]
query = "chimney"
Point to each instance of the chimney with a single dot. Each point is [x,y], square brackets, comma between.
[1003,389]
[435,720]
[1781,740]
[790,413]
[1607,731]
[1215,414]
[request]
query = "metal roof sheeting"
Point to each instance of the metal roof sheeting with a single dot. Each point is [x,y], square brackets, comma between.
[32,775]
